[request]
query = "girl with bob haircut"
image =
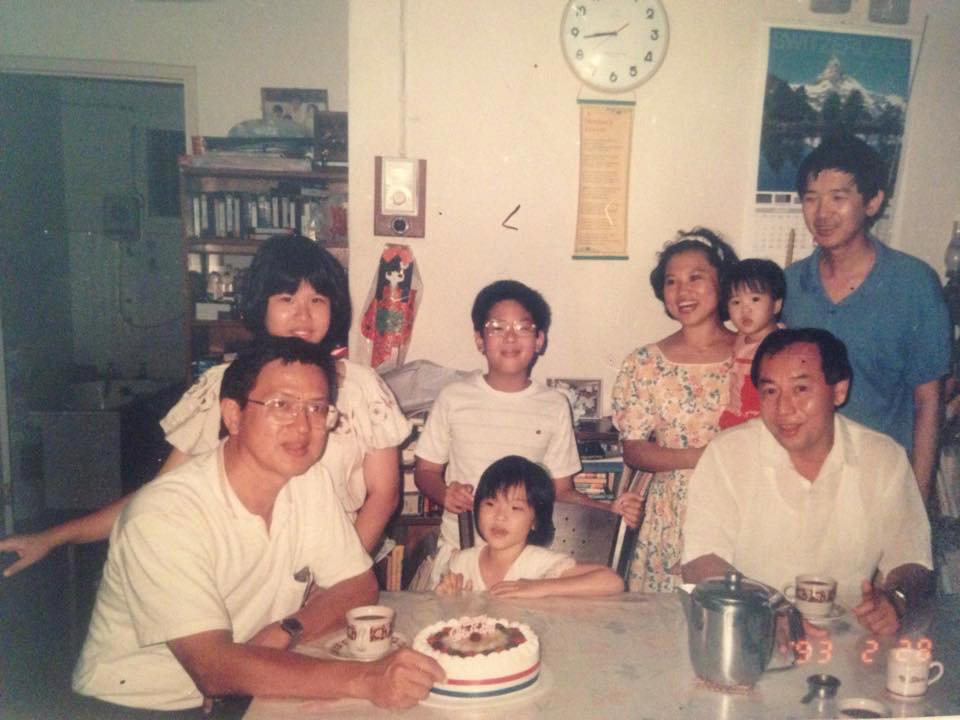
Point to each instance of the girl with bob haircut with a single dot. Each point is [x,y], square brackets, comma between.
[513,507]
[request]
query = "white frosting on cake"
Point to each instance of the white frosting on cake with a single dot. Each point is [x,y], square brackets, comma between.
[483,657]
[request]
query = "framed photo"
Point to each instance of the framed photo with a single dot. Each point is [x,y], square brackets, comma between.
[585,396]
[298,104]
[330,137]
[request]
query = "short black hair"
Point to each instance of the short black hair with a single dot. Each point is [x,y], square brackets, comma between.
[833,353]
[284,261]
[495,292]
[718,253]
[848,154]
[513,471]
[241,376]
[757,275]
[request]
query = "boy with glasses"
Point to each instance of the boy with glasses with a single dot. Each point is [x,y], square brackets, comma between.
[487,416]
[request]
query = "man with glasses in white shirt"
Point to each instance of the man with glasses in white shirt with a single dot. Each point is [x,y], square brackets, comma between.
[217,569]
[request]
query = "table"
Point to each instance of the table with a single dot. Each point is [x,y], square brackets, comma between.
[627,657]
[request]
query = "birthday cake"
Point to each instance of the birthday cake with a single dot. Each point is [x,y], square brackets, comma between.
[482,657]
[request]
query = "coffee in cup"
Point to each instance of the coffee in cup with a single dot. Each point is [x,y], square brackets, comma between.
[369,630]
[859,707]
[909,671]
[813,595]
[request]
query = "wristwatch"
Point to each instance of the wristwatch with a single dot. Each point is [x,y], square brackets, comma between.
[292,627]
[898,598]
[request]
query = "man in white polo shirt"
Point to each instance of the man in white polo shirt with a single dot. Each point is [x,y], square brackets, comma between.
[804,490]
[209,579]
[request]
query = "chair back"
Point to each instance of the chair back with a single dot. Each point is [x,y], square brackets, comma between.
[593,535]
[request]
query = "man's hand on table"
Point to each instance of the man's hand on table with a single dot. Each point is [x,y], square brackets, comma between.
[400,680]
[875,612]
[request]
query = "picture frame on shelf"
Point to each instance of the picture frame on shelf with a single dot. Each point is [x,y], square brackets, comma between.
[330,138]
[584,394]
[298,104]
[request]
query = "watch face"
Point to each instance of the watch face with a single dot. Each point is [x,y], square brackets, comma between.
[614,45]
[292,626]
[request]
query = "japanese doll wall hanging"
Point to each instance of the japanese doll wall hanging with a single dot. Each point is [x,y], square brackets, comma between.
[391,307]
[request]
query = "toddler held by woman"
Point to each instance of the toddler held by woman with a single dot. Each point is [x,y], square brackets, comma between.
[753,292]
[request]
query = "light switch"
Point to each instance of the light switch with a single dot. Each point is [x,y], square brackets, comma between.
[400,197]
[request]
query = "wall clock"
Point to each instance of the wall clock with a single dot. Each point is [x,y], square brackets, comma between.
[614,45]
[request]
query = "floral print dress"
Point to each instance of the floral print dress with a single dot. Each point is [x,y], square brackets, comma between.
[676,405]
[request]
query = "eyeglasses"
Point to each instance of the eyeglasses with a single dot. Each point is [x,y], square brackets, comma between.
[523,328]
[285,411]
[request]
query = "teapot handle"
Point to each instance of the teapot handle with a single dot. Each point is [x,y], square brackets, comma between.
[796,633]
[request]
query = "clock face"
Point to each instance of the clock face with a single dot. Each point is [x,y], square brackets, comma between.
[614,45]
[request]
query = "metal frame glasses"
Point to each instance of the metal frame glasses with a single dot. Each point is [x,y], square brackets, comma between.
[499,328]
[285,411]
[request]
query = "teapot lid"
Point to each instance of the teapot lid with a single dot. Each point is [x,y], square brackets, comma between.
[732,589]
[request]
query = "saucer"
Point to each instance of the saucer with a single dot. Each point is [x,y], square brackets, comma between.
[336,647]
[836,612]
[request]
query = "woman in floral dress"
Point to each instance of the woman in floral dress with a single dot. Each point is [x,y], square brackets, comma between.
[669,395]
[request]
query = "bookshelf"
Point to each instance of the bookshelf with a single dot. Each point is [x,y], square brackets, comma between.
[231,202]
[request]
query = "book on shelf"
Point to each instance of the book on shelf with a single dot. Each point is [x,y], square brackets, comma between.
[260,215]
[226,160]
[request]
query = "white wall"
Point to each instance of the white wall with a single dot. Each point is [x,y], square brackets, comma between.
[237,46]
[491,106]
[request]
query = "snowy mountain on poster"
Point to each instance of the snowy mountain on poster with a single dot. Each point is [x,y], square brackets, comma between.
[834,80]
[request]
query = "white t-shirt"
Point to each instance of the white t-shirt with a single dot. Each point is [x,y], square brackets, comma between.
[534,563]
[186,557]
[370,419]
[471,425]
[748,505]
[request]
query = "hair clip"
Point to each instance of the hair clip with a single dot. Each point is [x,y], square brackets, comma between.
[697,238]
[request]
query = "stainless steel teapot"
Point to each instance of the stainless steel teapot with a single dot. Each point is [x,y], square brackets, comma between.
[731,624]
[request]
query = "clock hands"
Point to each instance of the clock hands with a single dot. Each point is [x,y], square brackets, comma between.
[612,33]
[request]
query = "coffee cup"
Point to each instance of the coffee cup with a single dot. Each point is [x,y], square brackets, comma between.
[813,595]
[369,629]
[909,671]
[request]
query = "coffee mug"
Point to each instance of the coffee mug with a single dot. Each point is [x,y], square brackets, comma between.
[908,671]
[813,595]
[369,629]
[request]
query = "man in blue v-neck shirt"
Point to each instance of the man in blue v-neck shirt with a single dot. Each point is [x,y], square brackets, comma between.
[885,305]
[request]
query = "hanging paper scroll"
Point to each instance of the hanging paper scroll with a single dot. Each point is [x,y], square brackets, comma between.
[606,128]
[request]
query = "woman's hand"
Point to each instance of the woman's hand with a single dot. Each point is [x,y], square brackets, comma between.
[30,548]
[458,498]
[452,584]
[630,506]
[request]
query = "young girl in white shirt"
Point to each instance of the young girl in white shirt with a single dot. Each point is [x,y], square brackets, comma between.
[513,507]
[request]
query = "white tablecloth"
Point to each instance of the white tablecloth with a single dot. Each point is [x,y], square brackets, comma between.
[627,657]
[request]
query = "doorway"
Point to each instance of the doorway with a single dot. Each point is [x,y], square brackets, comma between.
[93,278]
